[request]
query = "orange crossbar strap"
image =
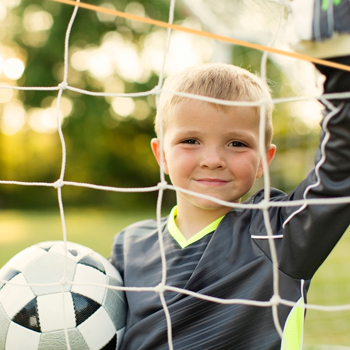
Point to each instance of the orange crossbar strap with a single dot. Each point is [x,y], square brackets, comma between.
[204,34]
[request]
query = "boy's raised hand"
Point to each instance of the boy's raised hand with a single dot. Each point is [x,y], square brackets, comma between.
[323,27]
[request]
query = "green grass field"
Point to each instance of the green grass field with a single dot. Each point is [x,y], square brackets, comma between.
[96,228]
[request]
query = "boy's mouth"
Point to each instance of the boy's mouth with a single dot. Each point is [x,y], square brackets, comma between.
[212,181]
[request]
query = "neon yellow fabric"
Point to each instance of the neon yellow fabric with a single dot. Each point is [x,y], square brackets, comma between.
[179,237]
[293,329]
[325,4]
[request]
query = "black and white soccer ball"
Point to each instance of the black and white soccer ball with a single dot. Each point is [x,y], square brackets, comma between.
[37,291]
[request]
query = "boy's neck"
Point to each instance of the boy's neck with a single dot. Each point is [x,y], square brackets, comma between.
[190,219]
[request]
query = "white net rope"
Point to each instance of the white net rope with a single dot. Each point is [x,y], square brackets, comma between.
[162,287]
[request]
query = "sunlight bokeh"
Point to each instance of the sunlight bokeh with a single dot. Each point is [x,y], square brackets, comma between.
[6,95]
[35,19]
[123,106]
[13,68]
[13,118]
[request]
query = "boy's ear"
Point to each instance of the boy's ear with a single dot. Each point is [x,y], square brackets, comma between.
[270,154]
[155,145]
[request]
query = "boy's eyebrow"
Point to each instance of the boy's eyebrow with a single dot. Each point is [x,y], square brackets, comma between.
[233,133]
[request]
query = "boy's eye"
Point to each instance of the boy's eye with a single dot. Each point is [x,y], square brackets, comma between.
[190,141]
[237,144]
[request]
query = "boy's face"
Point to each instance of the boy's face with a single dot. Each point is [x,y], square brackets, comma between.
[212,151]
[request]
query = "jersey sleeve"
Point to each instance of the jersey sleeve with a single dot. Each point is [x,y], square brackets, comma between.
[311,231]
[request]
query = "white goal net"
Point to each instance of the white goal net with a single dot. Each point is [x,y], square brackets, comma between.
[200,35]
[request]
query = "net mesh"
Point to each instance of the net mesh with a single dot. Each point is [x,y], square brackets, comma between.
[225,20]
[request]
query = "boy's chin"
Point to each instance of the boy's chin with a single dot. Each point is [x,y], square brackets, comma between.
[207,204]
[212,206]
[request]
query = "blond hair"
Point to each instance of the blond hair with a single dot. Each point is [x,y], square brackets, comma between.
[216,80]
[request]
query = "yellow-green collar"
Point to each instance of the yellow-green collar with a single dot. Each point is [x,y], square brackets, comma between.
[179,237]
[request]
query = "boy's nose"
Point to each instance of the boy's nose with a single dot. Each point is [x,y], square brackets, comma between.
[212,158]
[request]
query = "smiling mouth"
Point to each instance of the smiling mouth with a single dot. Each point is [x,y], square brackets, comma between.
[212,182]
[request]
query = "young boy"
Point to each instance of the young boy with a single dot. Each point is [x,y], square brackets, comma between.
[222,252]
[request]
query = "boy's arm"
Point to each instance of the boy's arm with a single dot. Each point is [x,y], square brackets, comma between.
[311,232]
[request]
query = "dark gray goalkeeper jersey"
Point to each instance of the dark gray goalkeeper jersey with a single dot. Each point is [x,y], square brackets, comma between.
[234,261]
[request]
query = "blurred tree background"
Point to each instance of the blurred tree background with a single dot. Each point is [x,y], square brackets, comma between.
[108,138]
